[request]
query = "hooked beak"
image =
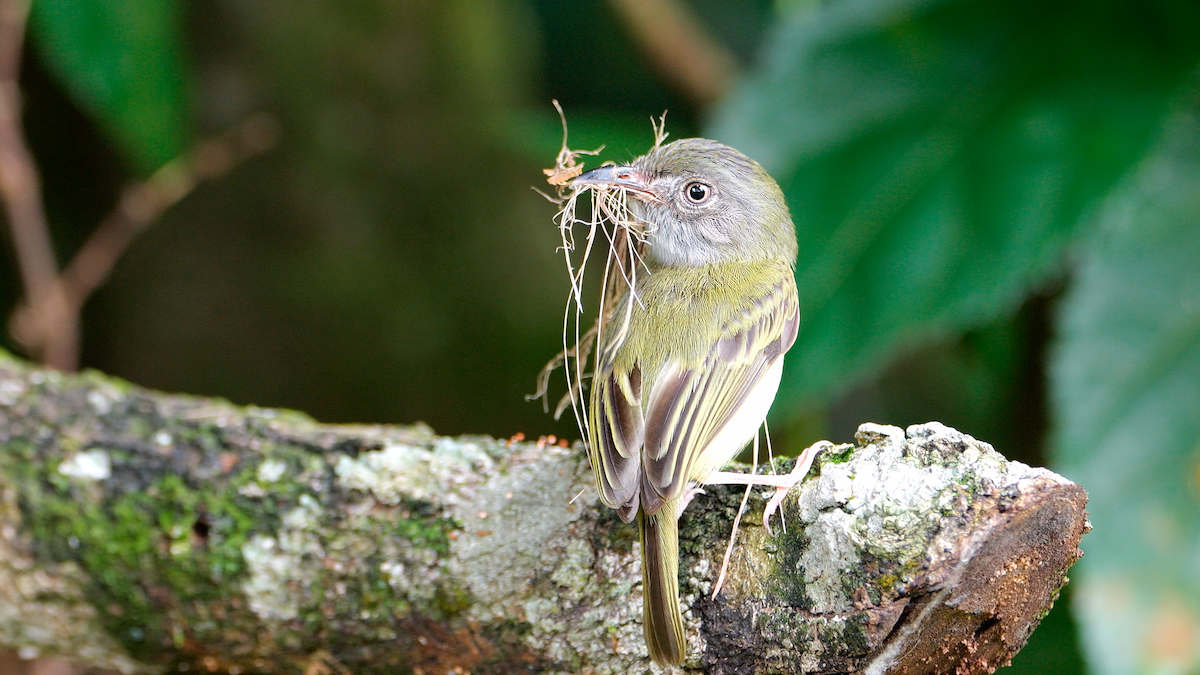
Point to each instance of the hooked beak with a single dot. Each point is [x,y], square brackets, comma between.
[625,177]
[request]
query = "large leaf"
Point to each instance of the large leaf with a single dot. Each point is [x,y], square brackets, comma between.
[1126,404]
[122,62]
[937,155]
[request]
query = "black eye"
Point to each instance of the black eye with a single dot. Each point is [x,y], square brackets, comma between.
[697,193]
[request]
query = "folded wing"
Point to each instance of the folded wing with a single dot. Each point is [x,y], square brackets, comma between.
[646,446]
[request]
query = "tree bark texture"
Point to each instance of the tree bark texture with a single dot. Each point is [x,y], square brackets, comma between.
[150,533]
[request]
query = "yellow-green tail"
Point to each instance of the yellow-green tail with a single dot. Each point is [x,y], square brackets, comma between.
[661,618]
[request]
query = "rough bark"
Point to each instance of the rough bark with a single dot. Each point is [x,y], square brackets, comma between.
[146,533]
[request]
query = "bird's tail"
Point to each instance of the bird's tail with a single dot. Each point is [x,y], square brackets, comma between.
[661,618]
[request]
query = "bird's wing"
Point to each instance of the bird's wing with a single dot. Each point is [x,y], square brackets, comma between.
[616,427]
[688,407]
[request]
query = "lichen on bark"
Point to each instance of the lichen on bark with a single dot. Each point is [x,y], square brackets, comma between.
[145,532]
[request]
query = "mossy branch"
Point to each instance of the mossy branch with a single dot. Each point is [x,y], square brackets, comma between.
[146,533]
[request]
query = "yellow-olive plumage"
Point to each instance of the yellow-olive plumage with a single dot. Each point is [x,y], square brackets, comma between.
[685,372]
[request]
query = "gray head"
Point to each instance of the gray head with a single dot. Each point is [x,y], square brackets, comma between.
[706,203]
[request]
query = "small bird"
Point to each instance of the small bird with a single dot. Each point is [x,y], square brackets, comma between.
[687,370]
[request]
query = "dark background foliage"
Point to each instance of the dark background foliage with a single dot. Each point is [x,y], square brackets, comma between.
[998,206]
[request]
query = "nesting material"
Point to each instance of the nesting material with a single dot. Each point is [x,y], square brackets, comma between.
[605,223]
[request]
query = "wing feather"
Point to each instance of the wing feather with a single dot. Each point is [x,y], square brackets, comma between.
[716,390]
[618,427]
[646,446]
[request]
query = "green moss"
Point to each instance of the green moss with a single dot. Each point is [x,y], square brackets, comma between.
[838,455]
[450,600]
[967,482]
[854,578]
[613,533]
[885,577]
[369,590]
[780,624]
[850,634]
[148,553]
[153,548]
[508,630]
[138,427]
[887,582]
[164,561]
[424,528]
[18,451]
[785,582]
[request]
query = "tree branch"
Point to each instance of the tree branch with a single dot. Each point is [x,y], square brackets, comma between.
[46,323]
[20,185]
[677,44]
[140,530]
[49,328]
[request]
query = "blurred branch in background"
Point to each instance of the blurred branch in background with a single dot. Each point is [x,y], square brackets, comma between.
[680,49]
[20,185]
[48,324]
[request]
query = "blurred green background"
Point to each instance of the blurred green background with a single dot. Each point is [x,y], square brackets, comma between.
[998,207]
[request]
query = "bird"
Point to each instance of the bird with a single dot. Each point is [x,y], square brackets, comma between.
[687,371]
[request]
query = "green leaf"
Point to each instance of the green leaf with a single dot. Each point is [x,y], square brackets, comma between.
[938,155]
[122,62]
[1125,385]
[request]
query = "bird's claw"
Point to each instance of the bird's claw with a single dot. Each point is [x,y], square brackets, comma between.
[803,463]
[772,506]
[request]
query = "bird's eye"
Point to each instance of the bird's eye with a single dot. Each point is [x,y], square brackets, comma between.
[697,193]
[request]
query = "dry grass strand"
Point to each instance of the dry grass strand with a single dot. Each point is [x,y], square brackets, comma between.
[624,237]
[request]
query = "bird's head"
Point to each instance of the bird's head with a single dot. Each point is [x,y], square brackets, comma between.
[705,203]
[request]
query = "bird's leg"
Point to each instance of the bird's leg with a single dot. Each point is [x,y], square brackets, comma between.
[689,494]
[803,463]
[782,484]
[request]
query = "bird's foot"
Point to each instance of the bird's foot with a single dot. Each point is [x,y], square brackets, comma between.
[689,495]
[782,484]
[803,463]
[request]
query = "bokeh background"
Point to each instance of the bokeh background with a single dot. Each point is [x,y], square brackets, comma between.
[998,206]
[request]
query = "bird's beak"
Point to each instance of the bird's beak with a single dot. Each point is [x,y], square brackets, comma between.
[625,177]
